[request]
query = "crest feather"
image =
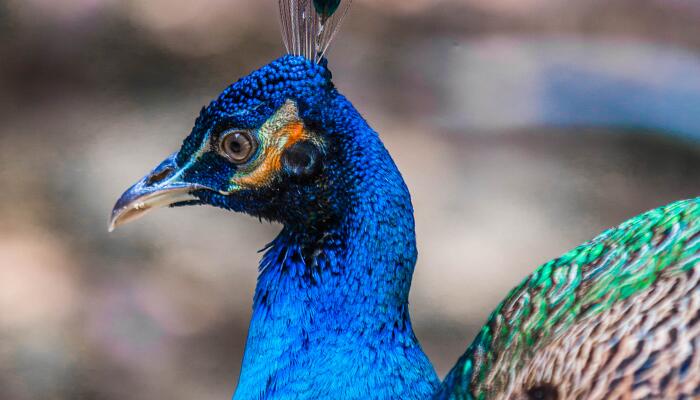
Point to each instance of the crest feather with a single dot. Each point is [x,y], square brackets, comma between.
[309,26]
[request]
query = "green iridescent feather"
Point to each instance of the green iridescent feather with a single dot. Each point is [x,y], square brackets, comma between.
[617,265]
[326,8]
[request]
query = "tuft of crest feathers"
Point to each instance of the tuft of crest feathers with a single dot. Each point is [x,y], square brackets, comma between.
[309,26]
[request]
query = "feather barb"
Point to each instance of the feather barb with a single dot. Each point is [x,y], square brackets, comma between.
[309,26]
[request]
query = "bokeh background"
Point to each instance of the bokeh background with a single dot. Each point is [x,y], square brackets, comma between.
[523,128]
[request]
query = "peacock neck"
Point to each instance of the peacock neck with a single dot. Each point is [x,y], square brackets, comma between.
[330,316]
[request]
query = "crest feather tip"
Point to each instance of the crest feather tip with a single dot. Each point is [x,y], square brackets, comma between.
[309,26]
[326,8]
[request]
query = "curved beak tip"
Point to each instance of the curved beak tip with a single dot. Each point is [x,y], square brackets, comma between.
[138,201]
[127,211]
[117,219]
[165,186]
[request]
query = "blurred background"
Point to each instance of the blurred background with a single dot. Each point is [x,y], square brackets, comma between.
[523,128]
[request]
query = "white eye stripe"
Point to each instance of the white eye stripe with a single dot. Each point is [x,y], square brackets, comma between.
[201,150]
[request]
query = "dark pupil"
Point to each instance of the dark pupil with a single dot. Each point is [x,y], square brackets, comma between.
[236,145]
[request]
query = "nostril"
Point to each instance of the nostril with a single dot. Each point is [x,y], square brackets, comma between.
[159,176]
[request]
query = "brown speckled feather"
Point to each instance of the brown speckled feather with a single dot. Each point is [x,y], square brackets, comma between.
[646,347]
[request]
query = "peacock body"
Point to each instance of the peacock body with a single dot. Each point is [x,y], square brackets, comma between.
[615,317]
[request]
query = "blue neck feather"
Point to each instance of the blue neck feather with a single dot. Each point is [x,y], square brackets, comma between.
[330,316]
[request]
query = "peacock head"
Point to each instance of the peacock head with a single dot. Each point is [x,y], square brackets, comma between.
[280,144]
[261,148]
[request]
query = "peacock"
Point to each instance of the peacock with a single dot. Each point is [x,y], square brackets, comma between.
[616,318]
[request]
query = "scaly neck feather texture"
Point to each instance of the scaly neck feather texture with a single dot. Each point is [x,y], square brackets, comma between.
[330,316]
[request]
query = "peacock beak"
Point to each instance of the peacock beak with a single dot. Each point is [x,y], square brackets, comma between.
[163,187]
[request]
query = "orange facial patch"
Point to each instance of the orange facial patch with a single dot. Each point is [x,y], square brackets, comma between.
[270,163]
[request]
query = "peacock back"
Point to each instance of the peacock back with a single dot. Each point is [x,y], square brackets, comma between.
[615,318]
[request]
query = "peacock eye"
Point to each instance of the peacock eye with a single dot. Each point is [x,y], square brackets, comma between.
[238,146]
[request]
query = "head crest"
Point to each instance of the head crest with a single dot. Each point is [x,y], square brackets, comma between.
[308,26]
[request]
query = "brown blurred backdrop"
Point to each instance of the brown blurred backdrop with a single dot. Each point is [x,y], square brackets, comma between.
[523,128]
